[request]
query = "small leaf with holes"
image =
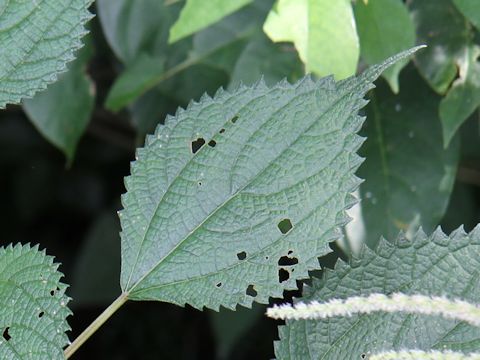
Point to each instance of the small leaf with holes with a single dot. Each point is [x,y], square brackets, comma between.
[230,187]
[33,303]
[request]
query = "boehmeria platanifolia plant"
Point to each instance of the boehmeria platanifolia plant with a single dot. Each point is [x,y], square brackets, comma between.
[232,201]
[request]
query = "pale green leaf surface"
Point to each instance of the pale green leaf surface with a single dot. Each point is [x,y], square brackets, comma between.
[134,81]
[446,43]
[408,173]
[323,32]
[198,14]
[203,226]
[38,38]
[384,28]
[33,307]
[62,112]
[470,9]
[463,97]
[435,265]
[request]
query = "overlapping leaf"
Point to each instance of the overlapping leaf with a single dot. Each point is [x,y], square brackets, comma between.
[33,308]
[434,265]
[323,32]
[235,198]
[198,14]
[38,38]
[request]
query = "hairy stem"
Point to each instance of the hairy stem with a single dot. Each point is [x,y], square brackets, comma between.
[95,325]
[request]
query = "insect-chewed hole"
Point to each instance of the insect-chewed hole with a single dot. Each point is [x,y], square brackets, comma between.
[197,145]
[363,356]
[212,143]
[5,334]
[40,314]
[285,226]
[219,285]
[242,255]
[283,275]
[287,261]
[251,291]
[234,119]
[222,131]
[199,183]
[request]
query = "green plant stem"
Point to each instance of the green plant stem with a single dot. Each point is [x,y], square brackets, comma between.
[95,325]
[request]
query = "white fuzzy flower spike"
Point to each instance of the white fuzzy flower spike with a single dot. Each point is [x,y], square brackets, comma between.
[424,355]
[413,304]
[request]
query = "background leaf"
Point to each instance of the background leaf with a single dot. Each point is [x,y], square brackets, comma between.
[323,32]
[408,174]
[464,96]
[33,308]
[38,39]
[260,58]
[62,112]
[198,14]
[435,265]
[470,9]
[446,43]
[250,160]
[384,28]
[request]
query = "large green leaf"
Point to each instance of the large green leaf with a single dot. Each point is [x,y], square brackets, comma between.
[429,265]
[409,175]
[470,9]
[62,112]
[323,32]
[235,198]
[38,38]
[33,307]
[198,14]
[446,32]
[464,96]
[384,28]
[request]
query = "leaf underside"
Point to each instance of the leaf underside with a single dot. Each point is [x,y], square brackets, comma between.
[434,265]
[33,307]
[38,39]
[236,197]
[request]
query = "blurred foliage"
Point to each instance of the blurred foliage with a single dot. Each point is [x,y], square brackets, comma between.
[423,157]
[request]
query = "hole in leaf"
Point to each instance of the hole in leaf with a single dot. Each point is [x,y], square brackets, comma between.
[41,314]
[283,275]
[5,334]
[222,131]
[251,291]
[219,285]
[285,226]
[287,261]
[197,144]
[266,258]
[363,356]
[52,292]
[242,255]
[212,143]
[199,183]
[234,119]
[290,252]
